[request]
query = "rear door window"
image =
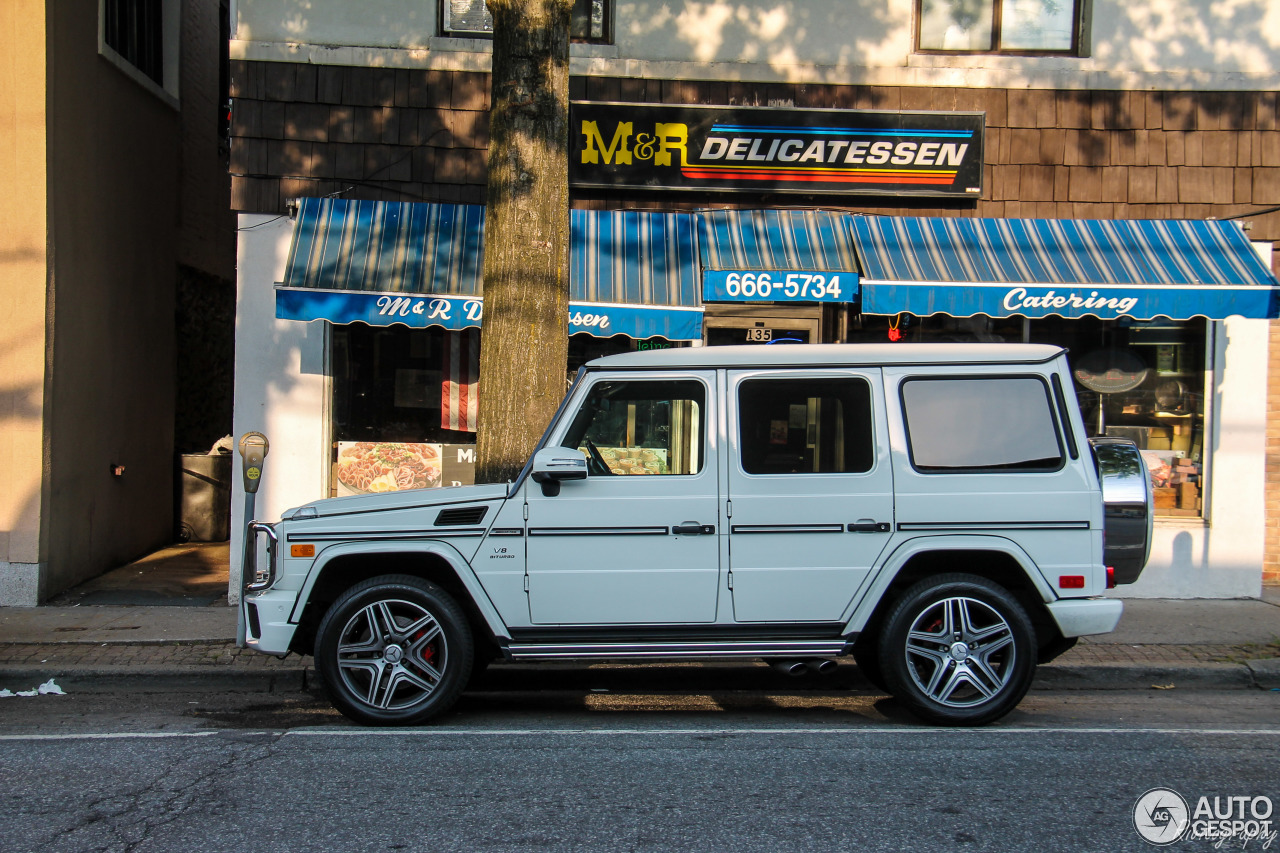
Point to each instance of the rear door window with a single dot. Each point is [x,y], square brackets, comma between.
[976,424]
[806,426]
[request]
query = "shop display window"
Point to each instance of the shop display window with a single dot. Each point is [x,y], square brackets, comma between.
[405,403]
[396,392]
[1138,379]
[584,348]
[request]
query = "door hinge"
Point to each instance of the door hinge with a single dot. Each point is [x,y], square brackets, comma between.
[526,512]
[730,580]
[728,509]
[526,583]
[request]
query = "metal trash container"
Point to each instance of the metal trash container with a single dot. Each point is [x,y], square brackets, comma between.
[205,507]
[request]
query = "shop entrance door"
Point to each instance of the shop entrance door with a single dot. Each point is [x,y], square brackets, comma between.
[725,325]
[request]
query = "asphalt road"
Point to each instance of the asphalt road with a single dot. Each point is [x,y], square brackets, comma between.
[620,767]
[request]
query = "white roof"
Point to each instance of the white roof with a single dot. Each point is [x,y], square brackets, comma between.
[810,355]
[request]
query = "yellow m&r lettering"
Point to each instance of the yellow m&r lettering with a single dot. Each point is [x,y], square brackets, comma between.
[616,151]
[671,137]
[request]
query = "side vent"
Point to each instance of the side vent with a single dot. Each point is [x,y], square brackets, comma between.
[462,516]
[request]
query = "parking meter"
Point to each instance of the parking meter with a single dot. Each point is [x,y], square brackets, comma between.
[253,453]
[253,449]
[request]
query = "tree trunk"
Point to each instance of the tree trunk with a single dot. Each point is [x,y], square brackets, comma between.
[524,345]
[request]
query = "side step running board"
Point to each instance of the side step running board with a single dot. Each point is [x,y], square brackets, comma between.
[825,647]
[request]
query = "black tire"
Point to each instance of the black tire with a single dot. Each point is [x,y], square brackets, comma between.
[408,667]
[983,658]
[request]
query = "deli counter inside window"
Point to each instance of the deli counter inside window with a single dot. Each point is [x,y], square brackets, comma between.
[1146,381]
[1139,379]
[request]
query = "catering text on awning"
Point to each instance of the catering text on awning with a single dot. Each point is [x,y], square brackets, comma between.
[776,256]
[420,265]
[1072,268]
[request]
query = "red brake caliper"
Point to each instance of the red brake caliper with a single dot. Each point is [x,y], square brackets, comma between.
[429,653]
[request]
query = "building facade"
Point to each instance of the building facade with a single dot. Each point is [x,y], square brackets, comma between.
[110,139]
[1104,113]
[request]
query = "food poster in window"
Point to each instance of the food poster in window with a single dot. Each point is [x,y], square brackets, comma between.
[365,467]
[368,466]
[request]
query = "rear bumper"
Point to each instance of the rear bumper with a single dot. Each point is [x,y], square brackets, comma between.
[1080,617]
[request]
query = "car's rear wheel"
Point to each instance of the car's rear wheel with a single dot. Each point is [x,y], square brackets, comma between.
[393,651]
[958,650]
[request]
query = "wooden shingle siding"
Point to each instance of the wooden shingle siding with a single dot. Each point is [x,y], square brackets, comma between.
[422,135]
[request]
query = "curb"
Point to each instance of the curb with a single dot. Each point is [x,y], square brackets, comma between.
[1266,673]
[107,680]
[1128,676]
[1263,674]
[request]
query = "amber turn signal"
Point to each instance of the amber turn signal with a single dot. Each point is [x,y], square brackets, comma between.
[302,550]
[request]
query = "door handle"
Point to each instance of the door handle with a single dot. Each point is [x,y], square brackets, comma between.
[693,528]
[867,525]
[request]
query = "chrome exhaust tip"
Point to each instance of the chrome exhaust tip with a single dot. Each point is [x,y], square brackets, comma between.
[789,667]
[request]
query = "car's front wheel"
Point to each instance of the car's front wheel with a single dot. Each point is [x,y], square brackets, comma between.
[394,651]
[958,650]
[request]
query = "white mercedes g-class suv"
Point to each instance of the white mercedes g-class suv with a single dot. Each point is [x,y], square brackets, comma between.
[935,510]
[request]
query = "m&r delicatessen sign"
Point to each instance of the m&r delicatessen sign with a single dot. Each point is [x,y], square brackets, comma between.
[766,149]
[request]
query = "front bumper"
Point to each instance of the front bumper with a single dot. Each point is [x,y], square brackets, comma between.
[270,630]
[1080,617]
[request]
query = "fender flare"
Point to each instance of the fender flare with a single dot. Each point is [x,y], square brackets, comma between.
[910,548]
[433,547]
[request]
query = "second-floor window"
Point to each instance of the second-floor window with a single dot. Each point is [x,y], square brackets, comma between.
[134,30]
[471,18]
[998,26]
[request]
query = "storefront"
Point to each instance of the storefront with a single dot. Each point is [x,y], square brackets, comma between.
[1165,321]
[398,288]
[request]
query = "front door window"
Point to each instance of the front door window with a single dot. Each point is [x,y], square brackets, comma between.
[636,428]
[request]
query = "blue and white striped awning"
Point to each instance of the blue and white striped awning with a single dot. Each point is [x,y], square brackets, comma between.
[1039,267]
[383,263]
[636,273]
[776,256]
[420,265]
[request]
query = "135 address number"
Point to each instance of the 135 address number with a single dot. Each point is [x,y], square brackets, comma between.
[794,286]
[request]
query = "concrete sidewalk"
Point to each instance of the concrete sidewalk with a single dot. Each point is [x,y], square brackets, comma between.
[1205,644]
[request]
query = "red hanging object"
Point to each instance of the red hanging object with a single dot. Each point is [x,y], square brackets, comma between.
[894,334]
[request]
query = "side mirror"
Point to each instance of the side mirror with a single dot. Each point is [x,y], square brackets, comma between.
[553,465]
